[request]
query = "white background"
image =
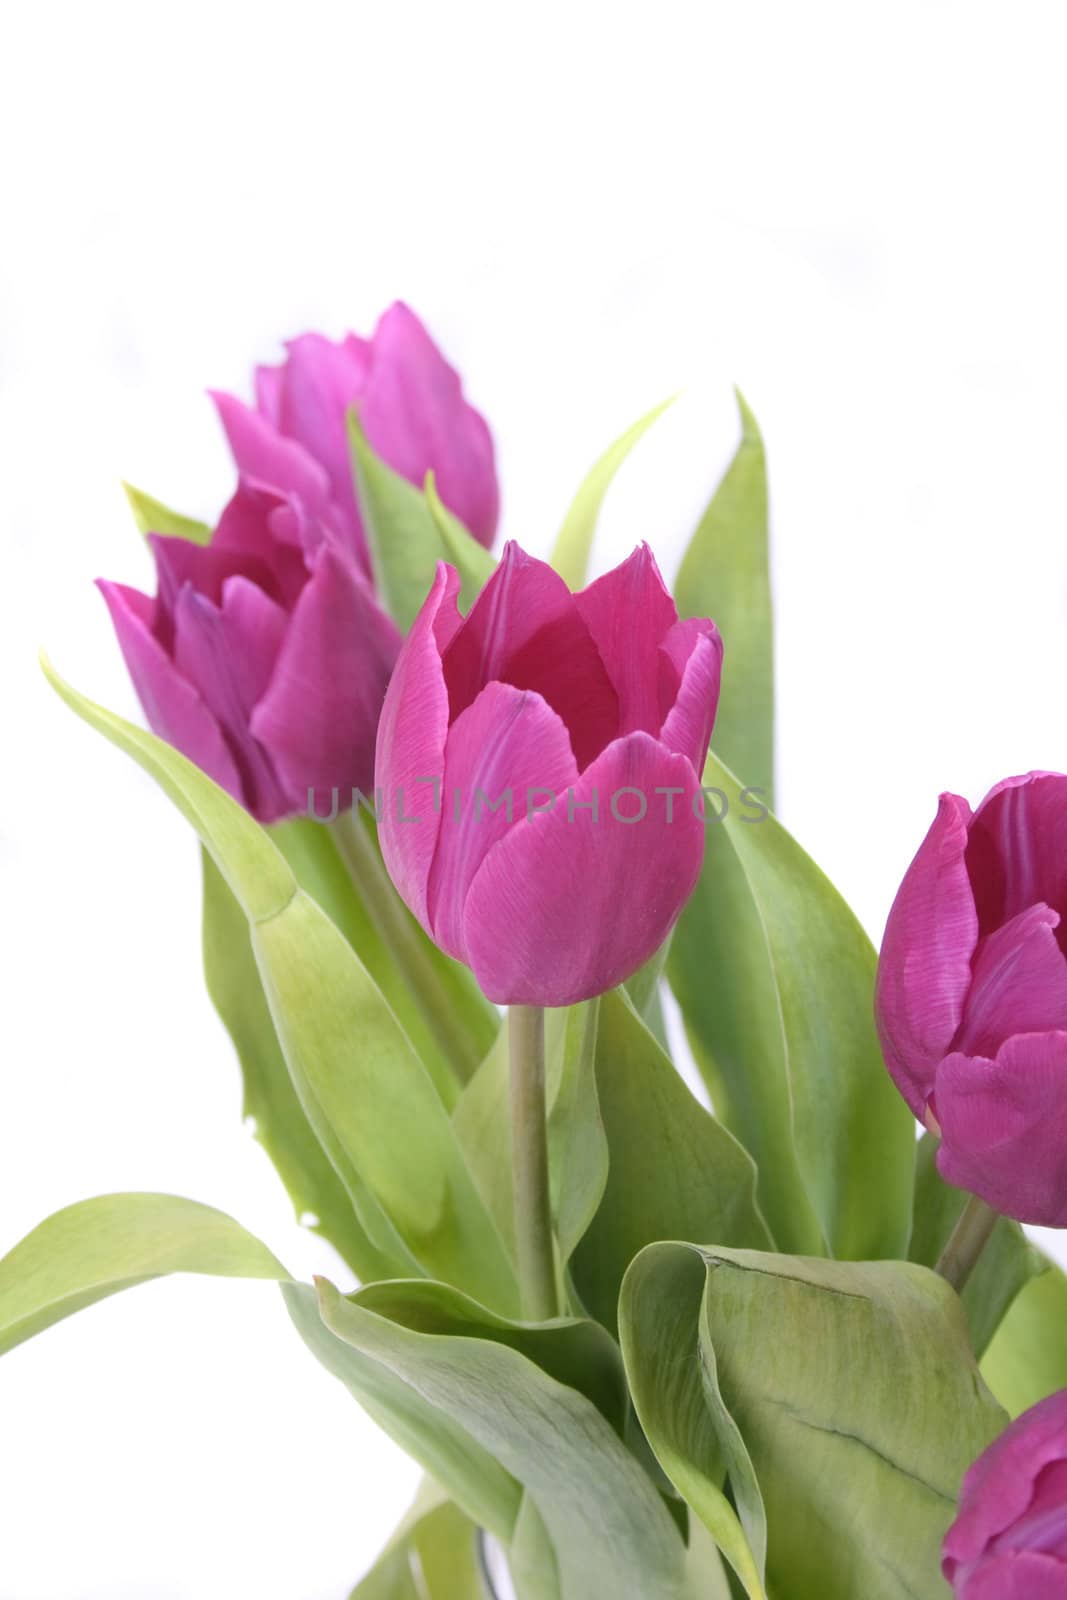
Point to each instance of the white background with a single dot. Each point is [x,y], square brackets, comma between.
[854,212]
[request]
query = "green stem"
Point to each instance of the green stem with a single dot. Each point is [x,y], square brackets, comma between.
[529,1164]
[403,939]
[966,1242]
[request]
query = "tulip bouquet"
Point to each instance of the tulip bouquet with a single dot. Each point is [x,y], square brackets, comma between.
[462,832]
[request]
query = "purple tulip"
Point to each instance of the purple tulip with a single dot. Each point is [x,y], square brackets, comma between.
[1009,1541]
[264,656]
[410,403]
[539,764]
[972,994]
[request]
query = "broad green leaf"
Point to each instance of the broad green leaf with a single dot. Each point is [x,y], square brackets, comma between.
[433,1555]
[1007,1263]
[97,1247]
[270,1100]
[405,545]
[775,979]
[471,560]
[847,1390]
[674,1171]
[609,1528]
[1027,1359]
[152,516]
[726,575]
[368,1097]
[574,542]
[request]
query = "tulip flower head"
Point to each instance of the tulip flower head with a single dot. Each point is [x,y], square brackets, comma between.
[972,994]
[1009,1541]
[264,656]
[539,765]
[411,406]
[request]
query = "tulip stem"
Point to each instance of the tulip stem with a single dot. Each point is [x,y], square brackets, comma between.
[529,1164]
[966,1242]
[403,939]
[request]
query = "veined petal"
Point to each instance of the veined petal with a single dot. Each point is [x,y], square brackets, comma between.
[629,612]
[999,1488]
[524,629]
[319,716]
[262,453]
[1004,1126]
[924,970]
[1019,983]
[1015,1575]
[319,382]
[688,724]
[570,903]
[174,709]
[410,756]
[507,744]
[1017,855]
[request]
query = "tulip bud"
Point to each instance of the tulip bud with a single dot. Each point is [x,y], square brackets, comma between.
[410,404]
[540,767]
[264,656]
[971,996]
[1009,1541]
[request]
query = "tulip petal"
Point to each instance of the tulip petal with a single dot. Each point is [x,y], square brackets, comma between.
[319,716]
[410,754]
[320,381]
[924,970]
[271,529]
[174,709]
[1019,983]
[262,453]
[690,719]
[1017,854]
[999,1488]
[629,613]
[228,653]
[524,629]
[507,743]
[414,414]
[1021,1575]
[569,904]
[1004,1126]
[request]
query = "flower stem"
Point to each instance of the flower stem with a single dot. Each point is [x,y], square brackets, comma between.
[403,939]
[966,1242]
[529,1163]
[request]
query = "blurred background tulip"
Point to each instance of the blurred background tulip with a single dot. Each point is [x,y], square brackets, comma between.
[1009,1541]
[972,994]
[540,765]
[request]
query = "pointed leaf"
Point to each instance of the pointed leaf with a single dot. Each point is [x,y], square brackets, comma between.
[152,516]
[433,1555]
[471,560]
[1027,1359]
[405,545]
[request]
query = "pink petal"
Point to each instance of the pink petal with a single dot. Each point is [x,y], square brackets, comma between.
[319,716]
[924,970]
[270,527]
[204,567]
[564,907]
[416,417]
[1004,1126]
[1018,848]
[630,613]
[319,383]
[688,724]
[524,629]
[268,391]
[262,453]
[174,709]
[1019,983]
[509,741]
[1023,1576]
[410,755]
[999,1488]
[228,653]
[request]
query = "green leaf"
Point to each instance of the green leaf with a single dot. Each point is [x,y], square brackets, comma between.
[726,575]
[1027,1359]
[152,516]
[270,1100]
[509,1389]
[405,545]
[368,1097]
[574,543]
[1007,1263]
[675,1172]
[847,1391]
[95,1248]
[775,979]
[432,1555]
[471,560]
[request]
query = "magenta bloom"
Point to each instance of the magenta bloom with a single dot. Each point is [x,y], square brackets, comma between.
[539,765]
[410,403]
[264,656]
[1009,1541]
[972,994]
